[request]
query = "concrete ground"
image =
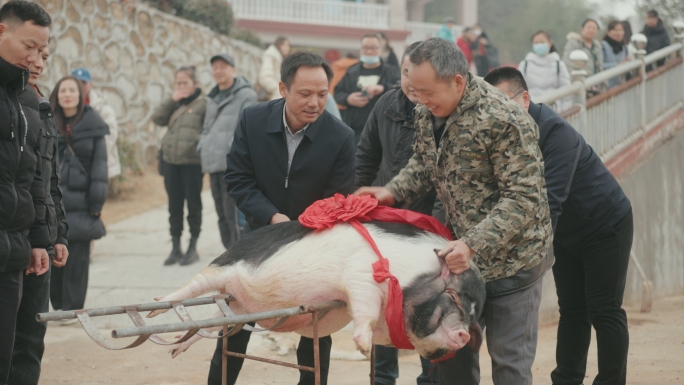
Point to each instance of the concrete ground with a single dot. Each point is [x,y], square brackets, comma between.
[127,269]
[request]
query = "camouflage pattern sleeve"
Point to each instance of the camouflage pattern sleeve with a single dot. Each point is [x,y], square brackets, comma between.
[519,173]
[412,182]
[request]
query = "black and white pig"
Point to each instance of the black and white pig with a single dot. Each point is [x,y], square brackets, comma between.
[287,265]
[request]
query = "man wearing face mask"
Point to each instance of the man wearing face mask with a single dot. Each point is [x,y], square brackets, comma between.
[364,83]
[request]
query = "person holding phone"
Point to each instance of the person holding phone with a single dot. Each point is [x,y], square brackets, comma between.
[364,83]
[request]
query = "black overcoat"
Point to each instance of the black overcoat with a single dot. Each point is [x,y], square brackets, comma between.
[257,175]
[84,176]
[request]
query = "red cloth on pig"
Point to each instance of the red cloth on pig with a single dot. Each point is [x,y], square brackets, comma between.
[325,213]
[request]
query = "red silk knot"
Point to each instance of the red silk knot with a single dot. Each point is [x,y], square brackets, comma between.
[325,213]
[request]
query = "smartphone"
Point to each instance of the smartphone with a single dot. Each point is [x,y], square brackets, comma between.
[365,94]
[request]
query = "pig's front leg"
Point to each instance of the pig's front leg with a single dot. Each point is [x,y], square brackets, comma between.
[365,301]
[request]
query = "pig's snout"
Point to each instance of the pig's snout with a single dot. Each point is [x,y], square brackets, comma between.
[458,338]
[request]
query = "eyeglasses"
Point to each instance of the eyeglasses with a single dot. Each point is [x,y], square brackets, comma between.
[367,48]
[517,94]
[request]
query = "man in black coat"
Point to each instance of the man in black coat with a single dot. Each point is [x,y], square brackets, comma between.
[657,35]
[24,33]
[364,83]
[287,154]
[28,343]
[385,148]
[592,222]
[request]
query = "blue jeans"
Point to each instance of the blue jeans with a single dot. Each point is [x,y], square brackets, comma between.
[387,368]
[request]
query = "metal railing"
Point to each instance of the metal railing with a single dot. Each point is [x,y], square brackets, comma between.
[423,31]
[610,121]
[337,13]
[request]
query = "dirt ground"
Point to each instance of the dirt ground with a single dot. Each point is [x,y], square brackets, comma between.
[656,351]
[138,193]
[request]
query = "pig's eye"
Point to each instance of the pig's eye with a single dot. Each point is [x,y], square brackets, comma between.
[453,295]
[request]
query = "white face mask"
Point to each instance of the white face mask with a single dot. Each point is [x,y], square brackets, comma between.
[369,59]
[477,32]
[540,49]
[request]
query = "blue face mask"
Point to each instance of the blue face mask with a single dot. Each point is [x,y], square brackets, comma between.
[540,49]
[369,59]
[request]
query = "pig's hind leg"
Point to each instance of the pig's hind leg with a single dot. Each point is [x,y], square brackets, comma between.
[365,302]
[206,281]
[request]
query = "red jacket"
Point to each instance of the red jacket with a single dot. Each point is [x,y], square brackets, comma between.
[464,45]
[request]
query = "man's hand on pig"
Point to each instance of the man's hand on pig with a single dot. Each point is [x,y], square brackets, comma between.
[457,256]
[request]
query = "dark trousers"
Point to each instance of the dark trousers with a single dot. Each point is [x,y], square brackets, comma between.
[590,283]
[510,325]
[184,183]
[28,340]
[387,368]
[10,298]
[225,208]
[238,343]
[69,284]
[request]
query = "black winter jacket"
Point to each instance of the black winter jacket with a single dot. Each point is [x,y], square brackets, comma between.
[84,176]
[22,194]
[257,176]
[387,145]
[584,197]
[356,117]
[55,214]
[657,39]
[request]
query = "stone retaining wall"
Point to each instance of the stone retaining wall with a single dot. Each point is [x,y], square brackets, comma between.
[132,51]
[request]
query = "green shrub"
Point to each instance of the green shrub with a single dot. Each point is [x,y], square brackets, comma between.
[247,36]
[215,14]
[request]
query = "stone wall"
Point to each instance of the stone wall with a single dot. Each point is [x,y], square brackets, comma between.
[132,51]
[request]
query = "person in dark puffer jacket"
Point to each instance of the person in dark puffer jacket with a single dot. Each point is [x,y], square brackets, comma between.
[181,165]
[83,161]
[24,33]
[386,146]
[657,35]
[28,342]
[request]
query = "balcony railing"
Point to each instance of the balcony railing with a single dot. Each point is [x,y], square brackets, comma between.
[421,31]
[611,121]
[322,12]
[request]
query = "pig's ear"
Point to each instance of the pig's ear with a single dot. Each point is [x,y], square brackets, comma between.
[446,273]
[475,337]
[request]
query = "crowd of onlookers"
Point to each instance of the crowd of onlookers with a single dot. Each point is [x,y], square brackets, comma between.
[58,151]
[545,69]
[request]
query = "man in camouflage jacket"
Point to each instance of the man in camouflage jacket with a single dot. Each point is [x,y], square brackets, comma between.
[479,150]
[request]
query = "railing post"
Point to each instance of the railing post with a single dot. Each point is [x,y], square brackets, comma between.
[579,76]
[640,55]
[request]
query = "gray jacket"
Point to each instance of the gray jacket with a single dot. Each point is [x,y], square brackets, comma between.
[220,122]
[612,59]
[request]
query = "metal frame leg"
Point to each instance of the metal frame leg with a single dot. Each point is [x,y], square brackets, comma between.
[317,353]
[224,357]
[372,363]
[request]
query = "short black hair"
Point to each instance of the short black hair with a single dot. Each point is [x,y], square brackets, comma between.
[371,35]
[21,11]
[507,74]
[653,13]
[408,51]
[590,20]
[291,64]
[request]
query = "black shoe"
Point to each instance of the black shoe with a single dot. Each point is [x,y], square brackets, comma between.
[176,253]
[191,255]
